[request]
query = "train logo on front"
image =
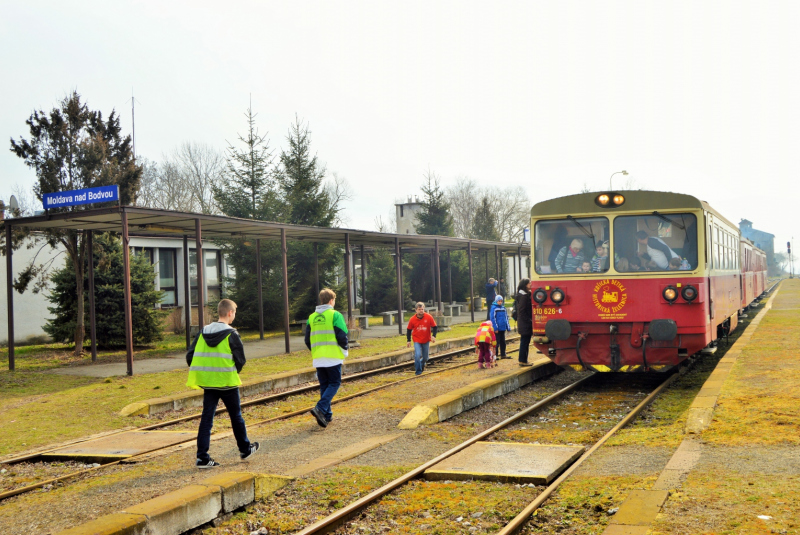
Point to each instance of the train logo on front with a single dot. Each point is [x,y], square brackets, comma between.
[610,297]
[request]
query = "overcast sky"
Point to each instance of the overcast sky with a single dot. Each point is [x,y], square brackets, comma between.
[695,97]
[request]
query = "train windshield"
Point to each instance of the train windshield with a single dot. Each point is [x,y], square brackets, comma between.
[572,245]
[658,242]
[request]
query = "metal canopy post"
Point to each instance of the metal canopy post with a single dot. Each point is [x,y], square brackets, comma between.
[486,264]
[471,283]
[126,277]
[316,270]
[92,318]
[260,291]
[285,290]
[10,297]
[201,281]
[519,255]
[433,280]
[187,294]
[449,278]
[363,284]
[497,262]
[348,275]
[438,276]
[399,266]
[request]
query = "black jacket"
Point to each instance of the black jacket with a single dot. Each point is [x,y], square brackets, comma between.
[215,337]
[524,313]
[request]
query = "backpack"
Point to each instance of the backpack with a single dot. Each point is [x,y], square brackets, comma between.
[514,311]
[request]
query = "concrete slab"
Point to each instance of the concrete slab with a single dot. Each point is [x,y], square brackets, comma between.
[698,420]
[237,488]
[704,402]
[342,455]
[618,529]
[686,456]
[181,510]
[116,524]
[508,462]
[669,479]
[640,508]
[120,446]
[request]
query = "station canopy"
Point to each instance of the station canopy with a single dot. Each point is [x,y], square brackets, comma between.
[150,222]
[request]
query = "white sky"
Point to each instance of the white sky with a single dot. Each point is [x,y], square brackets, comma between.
[698,97]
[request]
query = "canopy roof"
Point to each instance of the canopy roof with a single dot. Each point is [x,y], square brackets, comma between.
[150,222]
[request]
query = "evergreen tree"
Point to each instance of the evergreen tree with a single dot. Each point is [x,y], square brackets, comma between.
[484,225]
[72,148]
[433,219]
[251,191]
[109,298]
[381,284]
[306,202]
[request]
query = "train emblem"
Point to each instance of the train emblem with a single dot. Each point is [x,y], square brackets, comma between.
[609,296]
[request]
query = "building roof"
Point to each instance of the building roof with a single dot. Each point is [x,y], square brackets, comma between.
[144,222]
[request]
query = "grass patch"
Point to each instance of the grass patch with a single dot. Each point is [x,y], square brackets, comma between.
[41,408]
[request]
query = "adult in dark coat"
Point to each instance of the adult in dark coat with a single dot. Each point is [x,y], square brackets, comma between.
[524,319]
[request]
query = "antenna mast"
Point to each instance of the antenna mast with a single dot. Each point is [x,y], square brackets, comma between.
[133,123]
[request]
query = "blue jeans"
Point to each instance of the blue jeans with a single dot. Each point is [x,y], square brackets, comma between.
[420,356]
[329,380]
[231,400]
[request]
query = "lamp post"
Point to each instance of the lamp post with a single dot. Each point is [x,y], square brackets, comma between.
[612,176]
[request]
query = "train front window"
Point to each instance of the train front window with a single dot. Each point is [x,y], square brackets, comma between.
[573,245]
[659,242]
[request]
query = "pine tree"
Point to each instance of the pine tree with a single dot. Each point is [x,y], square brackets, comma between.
[306,202]
[433,219]
[381,284]
[72,148]
[109,298]
[484,225]
[251,191]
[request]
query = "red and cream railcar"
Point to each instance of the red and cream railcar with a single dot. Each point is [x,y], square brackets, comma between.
[754,271]
[632,281]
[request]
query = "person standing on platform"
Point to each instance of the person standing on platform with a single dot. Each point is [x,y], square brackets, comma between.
[215,359]
[524,319]
[422,329]
[326,337]
[491,293]
[500,324]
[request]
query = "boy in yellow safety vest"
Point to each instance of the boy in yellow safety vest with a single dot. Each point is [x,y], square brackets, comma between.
[215,359]
[326,337]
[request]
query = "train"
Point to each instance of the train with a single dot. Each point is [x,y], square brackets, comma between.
[637,281]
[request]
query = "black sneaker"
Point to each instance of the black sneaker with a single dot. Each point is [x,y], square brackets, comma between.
[320,418]
[253,448]
[211,463]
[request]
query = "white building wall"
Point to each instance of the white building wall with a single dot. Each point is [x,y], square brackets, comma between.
[405,214]
[30,310]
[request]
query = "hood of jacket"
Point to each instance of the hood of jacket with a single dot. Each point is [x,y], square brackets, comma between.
[322,308]
[215,333]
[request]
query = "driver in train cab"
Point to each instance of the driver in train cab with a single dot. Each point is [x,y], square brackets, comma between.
[658,252]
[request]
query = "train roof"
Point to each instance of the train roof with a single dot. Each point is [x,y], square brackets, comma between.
[635,201]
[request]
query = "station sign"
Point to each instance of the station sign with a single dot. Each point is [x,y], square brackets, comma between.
[80,196]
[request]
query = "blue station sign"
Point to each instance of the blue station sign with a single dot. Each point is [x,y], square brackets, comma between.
[80,196]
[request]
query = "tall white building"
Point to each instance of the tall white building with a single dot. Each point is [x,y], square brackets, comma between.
[405,215]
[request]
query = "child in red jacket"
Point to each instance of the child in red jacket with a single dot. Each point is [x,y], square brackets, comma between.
[485,341]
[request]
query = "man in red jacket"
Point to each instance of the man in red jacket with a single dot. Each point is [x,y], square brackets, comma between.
[422,327]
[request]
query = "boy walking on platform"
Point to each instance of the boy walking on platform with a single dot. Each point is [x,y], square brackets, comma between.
[422,328]
[215,359]
[326,337]
[485,341]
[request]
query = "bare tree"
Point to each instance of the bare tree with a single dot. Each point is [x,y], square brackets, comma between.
[464,197]
[202,166]
[339,192]
[510,206]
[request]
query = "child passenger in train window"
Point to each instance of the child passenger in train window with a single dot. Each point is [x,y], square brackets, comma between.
[674,264]
[586,267]
[600,259]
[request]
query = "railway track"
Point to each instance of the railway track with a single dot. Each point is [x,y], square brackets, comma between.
[435,359]
[343,515]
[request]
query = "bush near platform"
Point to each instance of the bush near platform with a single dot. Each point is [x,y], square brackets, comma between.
[109,298]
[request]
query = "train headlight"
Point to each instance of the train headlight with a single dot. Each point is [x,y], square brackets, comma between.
[689,293]
[557,296]
[618,200]
[603,199]
[670,294]
[540,296]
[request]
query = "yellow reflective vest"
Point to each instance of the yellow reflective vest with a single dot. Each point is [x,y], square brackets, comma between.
[323,336]
[213,367]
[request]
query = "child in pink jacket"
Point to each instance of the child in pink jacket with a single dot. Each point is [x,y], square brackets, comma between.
[485,341]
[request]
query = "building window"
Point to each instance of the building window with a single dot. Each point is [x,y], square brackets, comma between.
[168,277]
[401,210]
[211,271]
